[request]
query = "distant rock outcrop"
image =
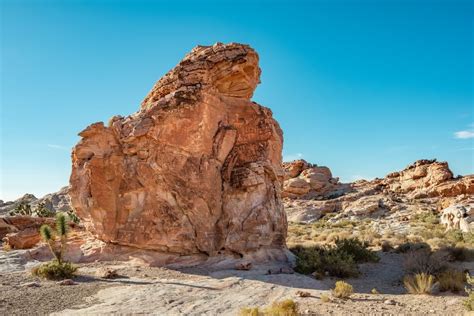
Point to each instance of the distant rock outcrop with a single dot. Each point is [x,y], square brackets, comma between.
[426,182]
[197,170]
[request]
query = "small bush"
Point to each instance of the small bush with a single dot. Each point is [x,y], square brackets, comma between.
[412,246]
[325,298]
[374,291]
[451,280]
[425,261]
[342,290]
[469,302]
[250,311]
[54,270]
[357,249]
[420,283]
[459,253]
[282,308]
[339,260]
[340,264]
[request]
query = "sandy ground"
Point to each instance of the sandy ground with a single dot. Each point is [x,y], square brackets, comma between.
[160,291]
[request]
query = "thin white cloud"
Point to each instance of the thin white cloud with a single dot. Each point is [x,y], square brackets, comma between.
[292,157]
[54,146]
[464,134]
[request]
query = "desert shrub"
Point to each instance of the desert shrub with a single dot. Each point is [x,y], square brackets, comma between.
[425,261]
[308,259]
[22,209]
[426,217]
[420,283]
[342,290]
[281,308]
[42,211]
[55,270]
[340,264]
[412,246]
[325,298]
[469,302]
[386,246]
[73,217]
[319,260]
[451,280]
[250,311]
[459,253]
[57,242]
[357,249]
[339,260]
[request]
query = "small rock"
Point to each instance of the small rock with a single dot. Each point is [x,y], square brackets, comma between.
[303,294]
[287,270]
[30,284]
[389,302]
[431,311]
[106,273]
[66,282]
[244,265]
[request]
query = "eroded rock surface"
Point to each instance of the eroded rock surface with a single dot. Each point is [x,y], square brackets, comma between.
[197,170]
[424,185]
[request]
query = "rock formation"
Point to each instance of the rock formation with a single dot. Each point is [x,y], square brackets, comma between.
[424,184]
[197,170]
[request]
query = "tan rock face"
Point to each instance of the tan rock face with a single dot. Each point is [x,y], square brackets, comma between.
[196,170]
[307,181]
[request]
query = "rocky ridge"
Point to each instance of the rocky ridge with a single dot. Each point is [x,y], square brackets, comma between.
[425,184]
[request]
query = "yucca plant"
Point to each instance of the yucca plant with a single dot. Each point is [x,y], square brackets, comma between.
[57,242]
[50,238]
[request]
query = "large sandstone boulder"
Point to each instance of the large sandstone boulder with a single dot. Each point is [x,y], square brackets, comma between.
[197,170]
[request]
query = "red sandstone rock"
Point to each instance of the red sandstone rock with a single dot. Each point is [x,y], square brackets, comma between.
[197,170]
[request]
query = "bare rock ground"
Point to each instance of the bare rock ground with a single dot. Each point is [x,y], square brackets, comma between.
[197,291]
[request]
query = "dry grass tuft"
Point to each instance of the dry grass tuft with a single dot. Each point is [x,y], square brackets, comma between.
[420,283]
[342,290]
[451,280]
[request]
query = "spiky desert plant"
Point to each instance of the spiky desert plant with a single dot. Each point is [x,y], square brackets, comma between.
[420,283]
[50,238]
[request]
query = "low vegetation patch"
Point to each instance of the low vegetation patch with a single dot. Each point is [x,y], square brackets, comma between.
[339,260]
[425,261]
[57,242]
[420,283]
[281,308]
[55,271]
[342,290]
[451,280]
[469,302]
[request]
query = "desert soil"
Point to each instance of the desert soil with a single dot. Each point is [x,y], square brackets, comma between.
[160,291]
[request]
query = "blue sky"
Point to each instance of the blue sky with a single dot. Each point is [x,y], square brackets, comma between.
[364,87]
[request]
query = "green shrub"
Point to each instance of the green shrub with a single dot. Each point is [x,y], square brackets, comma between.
[342,290]
[22,209]
[339,260]
[357,249]
[54,270]
[340,264]
[319,260]
[420,283]
[412,246]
